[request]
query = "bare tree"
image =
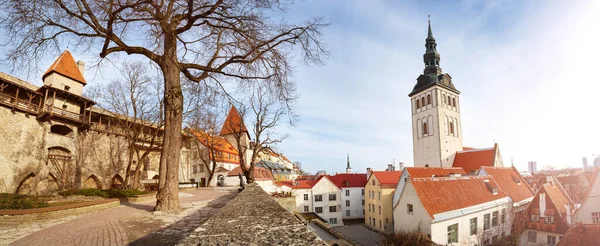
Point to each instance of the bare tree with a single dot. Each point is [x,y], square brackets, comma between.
[132,100]
[207,41]
[207,144]
[266,111]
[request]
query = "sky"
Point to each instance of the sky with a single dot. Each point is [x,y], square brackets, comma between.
[525,69]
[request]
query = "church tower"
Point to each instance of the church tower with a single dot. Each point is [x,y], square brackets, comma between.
[435,112]
[348,169]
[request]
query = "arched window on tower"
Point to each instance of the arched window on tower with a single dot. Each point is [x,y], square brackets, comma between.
[418,103]
[448,100]
[453,102]
[425,129]
[428,99]
[444,97]
[451,128]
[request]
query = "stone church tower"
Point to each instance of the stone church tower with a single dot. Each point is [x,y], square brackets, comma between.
[437,135]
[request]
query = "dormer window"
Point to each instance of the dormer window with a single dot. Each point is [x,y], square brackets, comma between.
[549,219]
[67,88]
[535,218]
[64,106]
[347,183]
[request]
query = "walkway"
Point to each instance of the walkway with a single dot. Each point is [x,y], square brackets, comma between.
[129,223]
[360,234]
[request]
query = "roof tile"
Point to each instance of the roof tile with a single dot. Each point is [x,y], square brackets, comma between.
[581,235]
[354,179]
[511,182]
[66,66]
[473,160]
[233,123]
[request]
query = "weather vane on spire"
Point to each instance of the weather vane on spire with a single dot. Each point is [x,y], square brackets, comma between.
[429,18]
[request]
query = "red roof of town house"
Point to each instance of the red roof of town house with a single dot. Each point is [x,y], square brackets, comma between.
[228,153]
[260,174]
[468,148]
[233,123]
[588,176]
[354,179]
[300,184]
[473,160]
[427,172]
[556,200]
[439,195]
[66,66]
[388,178]
[581,235]
[510,181]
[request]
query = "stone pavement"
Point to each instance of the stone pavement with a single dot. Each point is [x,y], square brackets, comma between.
[129,223]
[360,234]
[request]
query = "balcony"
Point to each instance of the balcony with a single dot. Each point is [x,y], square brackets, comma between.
[51,111]
[21,105]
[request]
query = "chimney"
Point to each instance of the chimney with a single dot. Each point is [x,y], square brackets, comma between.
[368,172]
[585,164]
[542,203]
[391,167]
[568,214]
[401,166]
[81,66]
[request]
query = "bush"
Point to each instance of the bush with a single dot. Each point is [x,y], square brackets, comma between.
[406,239]
[112,193]
[17,201]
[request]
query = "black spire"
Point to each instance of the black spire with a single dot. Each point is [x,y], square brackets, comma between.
[431,56]
[348,166]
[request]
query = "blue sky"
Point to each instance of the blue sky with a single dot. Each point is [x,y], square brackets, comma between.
[526,71]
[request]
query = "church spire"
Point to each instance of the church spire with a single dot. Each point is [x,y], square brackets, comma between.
[431,56]
[348,169]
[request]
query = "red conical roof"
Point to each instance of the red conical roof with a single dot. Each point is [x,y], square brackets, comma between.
[66,66]
[233,123]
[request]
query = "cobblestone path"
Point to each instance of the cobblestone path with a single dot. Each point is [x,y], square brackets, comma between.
[128,223]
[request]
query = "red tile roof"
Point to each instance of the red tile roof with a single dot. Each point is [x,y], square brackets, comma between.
[581,235]
[426,172]
[556,199]
[473,160]
[66,66]
[233,123]
[388,178]
[260,174]
[588,176]
[439,195]
[510,181]
[300,184]
[229,153]
[354,179]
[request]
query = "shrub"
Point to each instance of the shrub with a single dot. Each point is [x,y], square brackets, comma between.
[111,193]
[17,201]
[406,239]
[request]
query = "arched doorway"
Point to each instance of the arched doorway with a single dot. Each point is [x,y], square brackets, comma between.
[92,182]
[117,182]
[221,180]
[59,161]
[26,186]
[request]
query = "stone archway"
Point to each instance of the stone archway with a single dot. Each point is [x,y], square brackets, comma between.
[117,182]
[61,164]
[92,182]
[26,186]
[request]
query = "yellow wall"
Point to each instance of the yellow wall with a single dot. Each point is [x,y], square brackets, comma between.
[384,201]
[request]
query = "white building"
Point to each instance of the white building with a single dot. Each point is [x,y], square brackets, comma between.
[353,193]
[589,211]
[532,167]
[454,210]
[321,197]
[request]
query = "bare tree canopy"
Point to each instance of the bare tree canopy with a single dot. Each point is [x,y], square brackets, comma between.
[208,42]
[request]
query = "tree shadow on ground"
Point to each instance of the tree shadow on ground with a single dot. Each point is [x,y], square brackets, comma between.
[182,228]
[140,206]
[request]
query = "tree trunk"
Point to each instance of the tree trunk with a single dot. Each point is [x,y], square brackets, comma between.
[129,161]
[167,198]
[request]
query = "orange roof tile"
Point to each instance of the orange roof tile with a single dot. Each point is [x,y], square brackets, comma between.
[581,235]
[300,184]
[439,195]
[260,174]
[66,66]
[473,160]
[426,172]
[233,123]
[511,182]
[354,179]
[218,143]
[388,178]
[556,200]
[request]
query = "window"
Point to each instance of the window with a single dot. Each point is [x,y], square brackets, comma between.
[346,183]
[428,99]
[453,233]
[453,102]
[347,203]
[486,221]
[379,209]
[532,236]
[347,192]
[363,211]
[503,215]
[495,218]
[319,210]
[551,240]
[363,202]
[451,128]
[347,212]
[380,224]
[418,104]
[473,223]
[425,132]
[333,221]
[195,169]
[331,197]
[318,198]
[306,209]
[369,207]
[305,197]
[409,208]
[379,195]
[61,130]
[534,217]
[549,219]
[373,182]
[67,88]
[362,192]
[448,100]
[596,217]
[332,209]
[444,97]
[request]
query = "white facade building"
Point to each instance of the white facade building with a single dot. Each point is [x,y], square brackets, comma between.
[353,193]
[589,211]
[321,197]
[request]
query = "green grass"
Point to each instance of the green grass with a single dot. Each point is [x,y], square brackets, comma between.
[17,201]
[111,193]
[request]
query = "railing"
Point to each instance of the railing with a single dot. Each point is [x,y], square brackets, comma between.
[21,104]
[66,114]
